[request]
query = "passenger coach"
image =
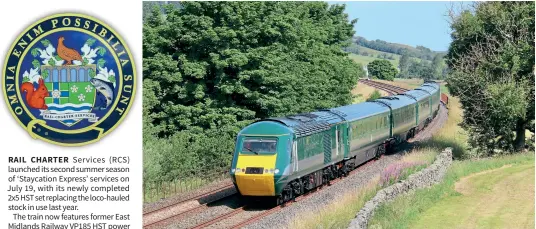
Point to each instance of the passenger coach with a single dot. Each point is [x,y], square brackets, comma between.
[287,156]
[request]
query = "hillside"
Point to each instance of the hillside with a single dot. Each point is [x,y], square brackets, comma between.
[373,55]
[420,58]
[395,48]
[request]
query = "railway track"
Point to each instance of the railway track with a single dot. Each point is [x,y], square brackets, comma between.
[390,89]
[178,210]
[243,214]
[219,221]
[394,90]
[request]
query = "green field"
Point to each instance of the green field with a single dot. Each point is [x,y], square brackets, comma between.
[364,60]
[500,198]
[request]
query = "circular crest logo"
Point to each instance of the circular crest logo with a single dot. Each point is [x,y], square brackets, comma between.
[69,79]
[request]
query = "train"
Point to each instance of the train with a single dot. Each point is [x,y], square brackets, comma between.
[284,157]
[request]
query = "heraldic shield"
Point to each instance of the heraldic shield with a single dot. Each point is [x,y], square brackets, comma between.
[70,92]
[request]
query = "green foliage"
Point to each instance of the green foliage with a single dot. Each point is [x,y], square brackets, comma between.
[491,60]
[111,78]
[90,42]
[58,58]
[382,69]
[92,73]
[25,79]
[374,95]
[101,62]
[85,61]
[45,42]
[403,65]
[36,63]
[51,62]
[44,74]
[421,70]
[101,50]
[437,66]
[418,52]
[210,68]
[158,5]
[35,52]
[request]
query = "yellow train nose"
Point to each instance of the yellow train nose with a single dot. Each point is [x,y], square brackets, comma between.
[255,184]
[254,180]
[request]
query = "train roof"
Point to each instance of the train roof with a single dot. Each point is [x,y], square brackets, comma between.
[318,121]
[361,110]
[432,88]
[430,85]
[309,123]
[417,94]
[431,82]
[396,101]
[313,122]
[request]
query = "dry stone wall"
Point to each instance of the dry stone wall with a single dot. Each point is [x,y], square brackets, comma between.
[431,175]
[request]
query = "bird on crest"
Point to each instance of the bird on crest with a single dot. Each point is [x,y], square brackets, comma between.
[67,54]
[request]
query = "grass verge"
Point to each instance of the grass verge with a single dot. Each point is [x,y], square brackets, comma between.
[339,213]
[405,211]
[451,134]
[362,92]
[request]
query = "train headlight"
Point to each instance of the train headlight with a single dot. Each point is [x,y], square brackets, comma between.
[276,171]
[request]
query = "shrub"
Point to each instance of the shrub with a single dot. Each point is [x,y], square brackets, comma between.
[374,95]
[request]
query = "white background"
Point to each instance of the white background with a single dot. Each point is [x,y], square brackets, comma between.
[125,17]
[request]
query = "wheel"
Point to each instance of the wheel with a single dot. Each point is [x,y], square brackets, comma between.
[278,200]
[380,151]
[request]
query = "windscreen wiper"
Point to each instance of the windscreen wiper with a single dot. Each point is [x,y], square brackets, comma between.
[250,150]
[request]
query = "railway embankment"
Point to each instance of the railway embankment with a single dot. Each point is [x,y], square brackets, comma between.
[431,175]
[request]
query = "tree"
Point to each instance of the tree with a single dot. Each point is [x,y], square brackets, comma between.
[380,45]
[210,68]
[491,59]
[437,65]
[421,69]
[382,69]
[404,63]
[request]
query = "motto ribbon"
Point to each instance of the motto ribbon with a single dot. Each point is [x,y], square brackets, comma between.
[38,129]
[89,116]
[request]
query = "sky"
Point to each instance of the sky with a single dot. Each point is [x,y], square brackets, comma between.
[410,23]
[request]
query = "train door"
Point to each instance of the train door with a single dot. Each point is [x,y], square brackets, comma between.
[431,105]
[294,157]
[346,140]
[342,140]
[417,108]
[337,141]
